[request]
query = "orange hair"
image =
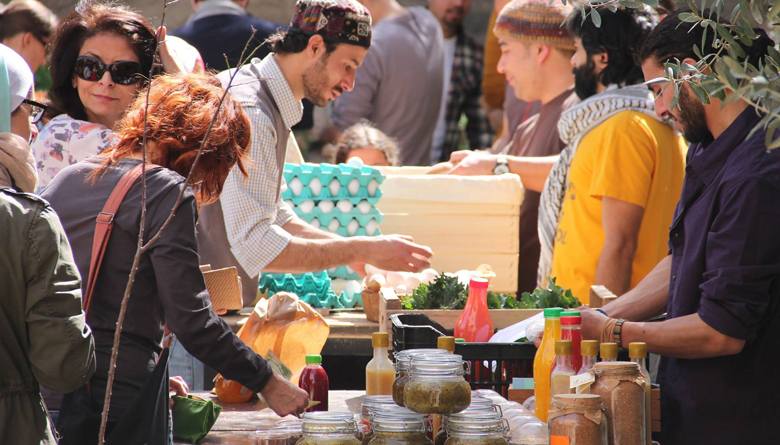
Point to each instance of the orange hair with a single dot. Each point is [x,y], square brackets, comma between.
[181,109]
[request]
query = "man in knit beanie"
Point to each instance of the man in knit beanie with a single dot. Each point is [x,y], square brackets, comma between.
[536,51]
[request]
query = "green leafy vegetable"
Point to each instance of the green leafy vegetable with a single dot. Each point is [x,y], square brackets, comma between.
[553,296]
[446,292]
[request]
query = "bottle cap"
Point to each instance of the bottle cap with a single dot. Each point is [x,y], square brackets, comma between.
[460,340]
[479,283]
[313,359]
[447,343]
[380,340]
[553,312]
[637,350]
[609,351]
[590,347]
[571,313]
[571,320]
[563,347]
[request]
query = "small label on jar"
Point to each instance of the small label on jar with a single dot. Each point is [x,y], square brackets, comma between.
[559,440]
[581,380]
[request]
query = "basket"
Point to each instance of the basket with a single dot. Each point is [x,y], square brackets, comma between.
[493,365]
[224,289]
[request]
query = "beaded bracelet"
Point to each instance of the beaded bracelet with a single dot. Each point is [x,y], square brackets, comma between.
[617,331]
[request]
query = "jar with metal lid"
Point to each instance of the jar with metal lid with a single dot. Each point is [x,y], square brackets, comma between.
[398,426]
[473,409]
[486,428]
[621,386]
[370,406]
[436,385]
[579,418]
[329,428]
[403,360]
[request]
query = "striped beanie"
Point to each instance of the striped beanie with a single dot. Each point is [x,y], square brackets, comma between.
[535,21]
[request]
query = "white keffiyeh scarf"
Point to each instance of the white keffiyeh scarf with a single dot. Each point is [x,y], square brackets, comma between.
[574,124]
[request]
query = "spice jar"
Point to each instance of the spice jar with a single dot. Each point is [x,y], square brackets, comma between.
[329,428]
[436,385]
[403,361]
[485,428]
[580,418]
[398,426]
[622,389]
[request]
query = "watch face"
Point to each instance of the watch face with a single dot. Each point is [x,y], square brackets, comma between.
[500,169]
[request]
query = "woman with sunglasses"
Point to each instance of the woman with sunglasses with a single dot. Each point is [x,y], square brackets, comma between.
[100,56]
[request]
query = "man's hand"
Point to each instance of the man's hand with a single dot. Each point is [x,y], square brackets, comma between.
[398,253]
[475,164]
[283,397]
[592,323]
[177,386]
[359,268]
[457,156]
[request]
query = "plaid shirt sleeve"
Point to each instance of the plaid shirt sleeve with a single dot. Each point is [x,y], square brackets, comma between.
[480,133]
[253,215]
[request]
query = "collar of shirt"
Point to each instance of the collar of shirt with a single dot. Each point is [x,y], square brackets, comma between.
[211,8]
[708,158]
[291,109]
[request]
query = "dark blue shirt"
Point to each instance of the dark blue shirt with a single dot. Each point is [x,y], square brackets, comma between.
[725,245]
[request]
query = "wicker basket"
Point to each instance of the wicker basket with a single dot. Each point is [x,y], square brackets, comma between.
[224,288]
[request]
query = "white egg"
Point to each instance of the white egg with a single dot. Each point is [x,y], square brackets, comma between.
[290,203]
[372,227]
[428,276]
[355,162]
[353,187]
[315,185]
[306,206]
[345,206]
[402,290]
[373,186]
[333,225]
[349,270]
[373,270]
[395,279]
[296,186]
[326,206]
[364,206]
[334,187]
[352,288]
[413,281]
[315,223]
[376,282]
[353,227]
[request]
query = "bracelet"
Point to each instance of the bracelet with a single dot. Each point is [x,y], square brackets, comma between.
[602,311]
[617,331]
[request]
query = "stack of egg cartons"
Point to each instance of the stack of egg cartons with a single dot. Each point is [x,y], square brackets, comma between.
[312,288]
[338,198]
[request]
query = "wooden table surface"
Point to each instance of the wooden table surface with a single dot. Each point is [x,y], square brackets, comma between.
[238,422]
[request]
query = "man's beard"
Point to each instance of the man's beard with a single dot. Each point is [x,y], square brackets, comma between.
[692,118]
[586,81]
[315,83]
[457,23]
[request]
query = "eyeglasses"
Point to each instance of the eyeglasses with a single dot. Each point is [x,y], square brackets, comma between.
[38,110]
[123,73]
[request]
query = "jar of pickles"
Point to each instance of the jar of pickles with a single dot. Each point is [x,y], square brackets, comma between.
[398,426]
[403,362]
[486,428]
[329,428]
[370,405]
[436,385]
[579,418]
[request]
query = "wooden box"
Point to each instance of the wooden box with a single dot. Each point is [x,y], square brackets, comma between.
[467,221]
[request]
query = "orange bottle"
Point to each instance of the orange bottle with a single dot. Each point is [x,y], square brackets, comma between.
[544,359]
[474,324]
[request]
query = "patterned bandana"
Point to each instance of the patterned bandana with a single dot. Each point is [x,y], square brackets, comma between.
[535,21]
[342,21]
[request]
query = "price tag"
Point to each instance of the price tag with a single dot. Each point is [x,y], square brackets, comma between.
[580,380]
[559,440]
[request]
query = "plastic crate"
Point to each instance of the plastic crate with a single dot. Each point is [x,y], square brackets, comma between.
[493,365]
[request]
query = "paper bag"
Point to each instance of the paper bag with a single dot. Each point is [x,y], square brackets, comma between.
[288,327]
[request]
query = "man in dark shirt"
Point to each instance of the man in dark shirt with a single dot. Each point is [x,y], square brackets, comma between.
[720,285]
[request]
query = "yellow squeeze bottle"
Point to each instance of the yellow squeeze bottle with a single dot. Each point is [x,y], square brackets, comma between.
[544,360]
[380,372]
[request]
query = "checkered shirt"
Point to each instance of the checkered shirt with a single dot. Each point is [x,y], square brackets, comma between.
[253,214]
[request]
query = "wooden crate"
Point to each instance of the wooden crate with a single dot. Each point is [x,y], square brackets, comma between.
[467,221]
[390,304]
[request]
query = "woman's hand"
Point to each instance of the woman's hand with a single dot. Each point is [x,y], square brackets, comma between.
[177,386]
[170,64]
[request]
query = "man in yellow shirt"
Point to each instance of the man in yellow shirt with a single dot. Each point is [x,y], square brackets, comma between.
[609,199]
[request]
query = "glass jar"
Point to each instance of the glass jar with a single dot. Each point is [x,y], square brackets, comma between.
[399,426]
[621,386]
[272,437]
[486,428]
[442,435]
[580,418]
[403,362]
[532,433]
[329,428]
[381,406]
[294,434]
[436,385]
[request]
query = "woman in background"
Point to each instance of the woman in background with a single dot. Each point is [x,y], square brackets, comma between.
[363,140]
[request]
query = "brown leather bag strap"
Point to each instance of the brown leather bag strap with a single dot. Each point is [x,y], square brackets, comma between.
[105,222]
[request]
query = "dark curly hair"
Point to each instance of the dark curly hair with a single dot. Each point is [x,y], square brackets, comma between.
[620,34]
[89,19]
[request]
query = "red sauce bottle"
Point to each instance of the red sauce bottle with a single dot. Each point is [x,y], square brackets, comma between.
[314,381]
[571,329]
[475,324]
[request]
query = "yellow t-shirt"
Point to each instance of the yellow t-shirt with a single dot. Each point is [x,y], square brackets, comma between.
[631,157]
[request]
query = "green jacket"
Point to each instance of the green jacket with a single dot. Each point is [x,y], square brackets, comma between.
[44,337]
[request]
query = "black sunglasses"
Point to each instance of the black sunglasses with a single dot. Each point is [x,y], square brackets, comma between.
[38,110]
[123,73]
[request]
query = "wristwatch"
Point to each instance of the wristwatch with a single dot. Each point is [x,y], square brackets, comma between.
[502,166]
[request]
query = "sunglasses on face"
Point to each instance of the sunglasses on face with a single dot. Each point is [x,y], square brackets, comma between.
[123,73]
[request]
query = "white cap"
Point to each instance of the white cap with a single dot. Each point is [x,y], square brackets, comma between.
[20,77]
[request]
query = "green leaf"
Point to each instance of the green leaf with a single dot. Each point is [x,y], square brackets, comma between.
[756,10]
[735,68]
[650,2]
[687,17]
[734,13]
[769,139]
[699,92]
[733,45]
[595,17]
[676,96]
[774,10]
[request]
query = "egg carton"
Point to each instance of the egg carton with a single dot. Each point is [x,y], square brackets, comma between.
[343,272]
[304,193]
[312,288]
[344,219]
[363,207]
[293,201]
[326,173]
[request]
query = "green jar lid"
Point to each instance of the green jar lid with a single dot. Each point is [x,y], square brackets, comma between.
[313,359]
[553,312]
[571,314]
[460,340]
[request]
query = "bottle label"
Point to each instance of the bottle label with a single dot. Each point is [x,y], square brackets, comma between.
[581,380]
[559,440]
